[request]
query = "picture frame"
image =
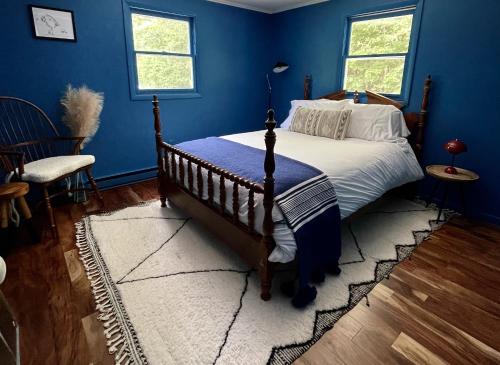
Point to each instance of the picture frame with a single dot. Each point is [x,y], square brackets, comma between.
[52,23]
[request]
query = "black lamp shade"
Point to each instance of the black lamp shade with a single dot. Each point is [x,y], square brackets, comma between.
[280,67]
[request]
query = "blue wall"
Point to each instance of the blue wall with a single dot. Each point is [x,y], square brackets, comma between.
[459,45]
[232,45]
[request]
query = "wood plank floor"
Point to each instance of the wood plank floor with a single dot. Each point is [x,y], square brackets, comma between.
[440,307]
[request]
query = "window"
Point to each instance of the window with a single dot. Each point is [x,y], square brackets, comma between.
[378,53]
[161,54]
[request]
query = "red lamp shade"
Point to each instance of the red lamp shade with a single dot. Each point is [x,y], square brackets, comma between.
[454,147]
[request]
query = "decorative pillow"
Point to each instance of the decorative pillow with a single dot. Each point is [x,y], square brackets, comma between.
[313,104]
[323,123]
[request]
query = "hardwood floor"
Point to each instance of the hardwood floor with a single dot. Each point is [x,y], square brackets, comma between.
[442,306]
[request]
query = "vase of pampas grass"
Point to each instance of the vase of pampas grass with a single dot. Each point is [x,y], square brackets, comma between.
[82,110]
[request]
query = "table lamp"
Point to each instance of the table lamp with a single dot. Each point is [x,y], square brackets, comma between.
[454,147]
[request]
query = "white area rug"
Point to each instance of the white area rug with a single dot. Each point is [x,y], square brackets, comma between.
[170,293]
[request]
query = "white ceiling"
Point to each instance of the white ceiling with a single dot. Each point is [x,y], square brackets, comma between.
[268,6]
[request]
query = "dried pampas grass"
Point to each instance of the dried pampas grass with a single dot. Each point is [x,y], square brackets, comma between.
[82,108]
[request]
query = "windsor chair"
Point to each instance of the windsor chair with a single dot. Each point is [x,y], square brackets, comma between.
[33,151]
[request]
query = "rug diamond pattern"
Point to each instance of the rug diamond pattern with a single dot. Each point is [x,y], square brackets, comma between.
[191,300]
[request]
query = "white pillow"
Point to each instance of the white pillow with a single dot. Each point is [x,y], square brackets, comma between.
[376,122]
[373,122]
[323,104]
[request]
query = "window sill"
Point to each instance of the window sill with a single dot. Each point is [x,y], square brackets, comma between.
[173,95]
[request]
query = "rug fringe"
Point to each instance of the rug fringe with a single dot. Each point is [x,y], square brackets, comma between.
[117,345]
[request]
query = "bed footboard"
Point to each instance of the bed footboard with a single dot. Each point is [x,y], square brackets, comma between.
[174,165]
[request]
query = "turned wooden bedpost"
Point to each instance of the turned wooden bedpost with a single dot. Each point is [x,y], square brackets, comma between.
[266,267]
[422,118]
[307,87]
[159,151]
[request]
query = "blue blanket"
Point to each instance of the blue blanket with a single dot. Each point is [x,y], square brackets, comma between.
[303,193]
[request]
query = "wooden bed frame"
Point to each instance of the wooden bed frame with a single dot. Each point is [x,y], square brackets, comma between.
[415,121]
[252,247]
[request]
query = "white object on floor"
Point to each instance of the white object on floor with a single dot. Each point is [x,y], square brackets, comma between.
[169,292]
[51,168]
[3,270]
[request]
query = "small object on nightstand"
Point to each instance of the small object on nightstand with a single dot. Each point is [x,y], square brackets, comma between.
[15,191]
[461,177]
[455,147]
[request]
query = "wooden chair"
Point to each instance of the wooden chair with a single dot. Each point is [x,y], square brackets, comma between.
[32,150]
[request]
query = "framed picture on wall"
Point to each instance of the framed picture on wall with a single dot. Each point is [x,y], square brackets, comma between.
[52,23]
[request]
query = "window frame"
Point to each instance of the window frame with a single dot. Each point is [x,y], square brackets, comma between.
[404,8]
[146,94]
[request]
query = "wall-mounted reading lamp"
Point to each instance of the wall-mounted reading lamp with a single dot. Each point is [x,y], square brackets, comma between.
[277,69]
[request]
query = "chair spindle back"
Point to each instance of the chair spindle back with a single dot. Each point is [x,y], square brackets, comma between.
[24,127]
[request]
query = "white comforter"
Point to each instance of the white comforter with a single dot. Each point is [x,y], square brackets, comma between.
[361,172]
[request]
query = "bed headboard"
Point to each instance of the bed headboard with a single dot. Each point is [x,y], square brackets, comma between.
[414,120]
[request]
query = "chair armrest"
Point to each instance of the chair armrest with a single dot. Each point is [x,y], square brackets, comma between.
[19,157]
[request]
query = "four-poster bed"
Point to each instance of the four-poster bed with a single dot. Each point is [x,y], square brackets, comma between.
[206,199]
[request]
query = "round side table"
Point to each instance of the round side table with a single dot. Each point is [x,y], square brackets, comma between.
[17,191]
[462,177]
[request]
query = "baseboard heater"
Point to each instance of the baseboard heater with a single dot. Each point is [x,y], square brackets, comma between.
[129,177]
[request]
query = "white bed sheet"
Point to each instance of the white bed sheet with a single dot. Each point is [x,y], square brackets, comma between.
[361,171]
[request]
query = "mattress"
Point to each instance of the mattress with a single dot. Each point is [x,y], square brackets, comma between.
[361,171]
